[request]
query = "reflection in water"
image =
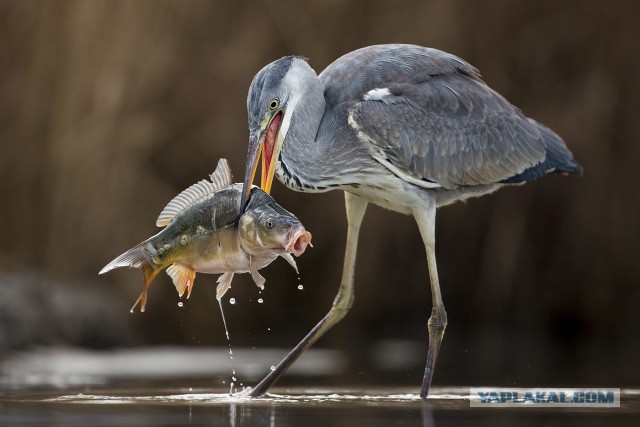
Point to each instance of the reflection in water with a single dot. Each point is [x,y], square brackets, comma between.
[272,417]
[232,415]
[427,417]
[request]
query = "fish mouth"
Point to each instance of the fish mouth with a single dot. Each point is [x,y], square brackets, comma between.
[297,240]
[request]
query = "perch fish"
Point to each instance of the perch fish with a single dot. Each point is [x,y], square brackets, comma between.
[204,231]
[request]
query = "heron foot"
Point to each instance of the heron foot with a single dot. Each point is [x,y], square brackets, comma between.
[437,325]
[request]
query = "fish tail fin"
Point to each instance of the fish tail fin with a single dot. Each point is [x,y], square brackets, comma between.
[135,258]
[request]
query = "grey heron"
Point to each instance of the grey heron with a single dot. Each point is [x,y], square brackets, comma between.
[404,127]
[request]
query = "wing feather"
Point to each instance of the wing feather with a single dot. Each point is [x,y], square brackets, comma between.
[440,125]
[452,130]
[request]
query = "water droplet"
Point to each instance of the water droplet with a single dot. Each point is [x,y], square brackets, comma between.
[180,304]
[190,388]
[230,351]
[234,378]
[300,287]
[268,329]
[260,300]
[224,322]
[273,368]
[232,300]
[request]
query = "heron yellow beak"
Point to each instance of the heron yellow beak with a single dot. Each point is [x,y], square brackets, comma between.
[268,170]
[265,143]
[255,150]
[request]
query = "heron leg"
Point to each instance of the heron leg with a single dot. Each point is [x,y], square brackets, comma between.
[426,219]
[356,207]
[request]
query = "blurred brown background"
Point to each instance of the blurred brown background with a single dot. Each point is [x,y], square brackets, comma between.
[110,108]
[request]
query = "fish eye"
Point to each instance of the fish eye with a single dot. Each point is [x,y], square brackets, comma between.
[269,223]
[275,102]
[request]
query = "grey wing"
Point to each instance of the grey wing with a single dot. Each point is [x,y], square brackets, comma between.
[448,130]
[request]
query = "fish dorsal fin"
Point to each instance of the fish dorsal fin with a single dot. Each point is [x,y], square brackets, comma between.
[221,177]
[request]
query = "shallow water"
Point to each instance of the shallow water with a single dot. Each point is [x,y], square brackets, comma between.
[290,407]
[140,387]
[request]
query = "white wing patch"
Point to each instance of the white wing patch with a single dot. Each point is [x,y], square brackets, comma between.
[376,94]
[221,177]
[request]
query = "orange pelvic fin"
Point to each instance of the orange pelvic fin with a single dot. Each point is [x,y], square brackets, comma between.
[183,278]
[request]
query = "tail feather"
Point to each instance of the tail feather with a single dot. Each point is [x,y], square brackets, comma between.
[135,258]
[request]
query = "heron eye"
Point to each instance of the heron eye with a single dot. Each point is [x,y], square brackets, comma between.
[274,104]
[269,223]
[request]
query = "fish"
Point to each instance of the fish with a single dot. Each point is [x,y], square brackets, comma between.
[205,232]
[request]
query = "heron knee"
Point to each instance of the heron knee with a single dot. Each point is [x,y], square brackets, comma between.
[338,311]
[438,319]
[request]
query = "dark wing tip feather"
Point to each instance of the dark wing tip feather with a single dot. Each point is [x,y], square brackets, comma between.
[558,159]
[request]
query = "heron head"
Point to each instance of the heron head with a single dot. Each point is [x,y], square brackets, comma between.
[273,96]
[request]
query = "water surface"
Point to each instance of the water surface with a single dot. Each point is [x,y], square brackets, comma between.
[447,406]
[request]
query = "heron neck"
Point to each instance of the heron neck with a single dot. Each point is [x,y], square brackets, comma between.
[303,154]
